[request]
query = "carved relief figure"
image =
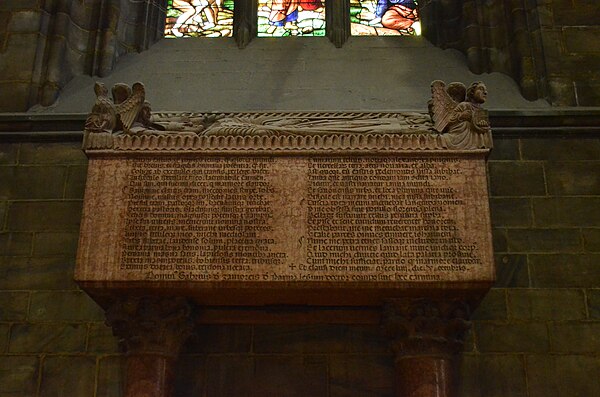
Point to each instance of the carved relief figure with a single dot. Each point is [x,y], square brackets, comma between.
[304,124]
[460,117]
[128,110]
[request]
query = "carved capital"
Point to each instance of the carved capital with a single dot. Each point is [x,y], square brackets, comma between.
[424,327]
[151,325]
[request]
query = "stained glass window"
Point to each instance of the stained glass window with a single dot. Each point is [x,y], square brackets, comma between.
[277,18]
[384,17]
[199,18]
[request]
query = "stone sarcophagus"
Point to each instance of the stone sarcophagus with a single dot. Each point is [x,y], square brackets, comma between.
[376,210]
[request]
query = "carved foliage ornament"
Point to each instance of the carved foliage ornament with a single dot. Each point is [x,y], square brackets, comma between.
[157,325]
[426,327]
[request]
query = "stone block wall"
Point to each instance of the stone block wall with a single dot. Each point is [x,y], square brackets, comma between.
[535,334]
[44,44]
[551,48]
[570,36]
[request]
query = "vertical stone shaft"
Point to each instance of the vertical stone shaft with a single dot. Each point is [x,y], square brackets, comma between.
[426,335]
[152,331]
[424,377]
[148,375]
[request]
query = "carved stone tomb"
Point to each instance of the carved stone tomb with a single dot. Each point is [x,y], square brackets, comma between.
[380,217]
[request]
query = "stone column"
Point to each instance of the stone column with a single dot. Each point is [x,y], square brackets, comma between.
[426,336]
[152,331]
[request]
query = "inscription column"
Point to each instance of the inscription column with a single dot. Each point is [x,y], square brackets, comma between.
[426,336]
[152,330]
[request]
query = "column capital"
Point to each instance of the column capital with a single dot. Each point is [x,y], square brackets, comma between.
[426,327]
[151,324]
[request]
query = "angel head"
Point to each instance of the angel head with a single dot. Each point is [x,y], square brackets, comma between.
[477,93]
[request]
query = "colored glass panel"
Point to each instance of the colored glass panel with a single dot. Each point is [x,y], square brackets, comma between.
[277,18]
[384,17]
[199,18]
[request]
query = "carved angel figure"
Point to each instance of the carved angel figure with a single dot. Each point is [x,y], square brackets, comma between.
[127,107]
[456,112]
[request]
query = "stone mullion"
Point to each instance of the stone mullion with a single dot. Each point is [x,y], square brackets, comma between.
[245,21]
[337,21]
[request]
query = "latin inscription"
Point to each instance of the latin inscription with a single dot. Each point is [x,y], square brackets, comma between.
[311,219]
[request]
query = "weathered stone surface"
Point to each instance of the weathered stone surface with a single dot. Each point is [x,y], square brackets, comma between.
[358,376]
[57,153]
[546,304]
[302,339]
[17,64]
[557,149]
[4,332]
[190,376]
[25,22]
[591,240]
[71,306]
[593,303]
[44,215]
[47,338]
[8,153]
[19,376]
[511,271]
[499,240]
[15,244]
[102,340]
[298,376]
[76,182]
[219,339]
[238,367]
[505,149]
[575,337]
[516,179]
[582,39]
[573,178]
[507,212]
[559,271]
[13,305]
[544,240]
[562,375]
[566,211]
[491,375]
[36,273]
[493,306]
[516,337]
[55,243]
[110,377]
[42,182]
[588,93]
[75,374]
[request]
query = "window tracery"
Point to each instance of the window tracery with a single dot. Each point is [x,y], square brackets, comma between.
[336,19]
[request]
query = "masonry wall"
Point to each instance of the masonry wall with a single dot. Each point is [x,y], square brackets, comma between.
[551,48]
[535,335]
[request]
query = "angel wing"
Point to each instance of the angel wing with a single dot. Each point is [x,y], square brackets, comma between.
[103,117]
[129,109]
[442,105]
[120,93]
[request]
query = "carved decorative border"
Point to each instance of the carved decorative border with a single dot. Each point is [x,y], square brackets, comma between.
[417,136]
